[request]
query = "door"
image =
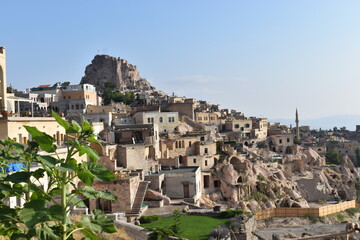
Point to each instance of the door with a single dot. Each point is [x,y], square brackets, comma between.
[186,191]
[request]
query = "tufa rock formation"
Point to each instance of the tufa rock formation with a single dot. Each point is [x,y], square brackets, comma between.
[125,76]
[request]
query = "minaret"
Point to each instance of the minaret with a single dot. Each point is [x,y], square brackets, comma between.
[297,125]
[2,79]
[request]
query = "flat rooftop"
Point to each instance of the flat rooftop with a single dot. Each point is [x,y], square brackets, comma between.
[175,170]
[180,170]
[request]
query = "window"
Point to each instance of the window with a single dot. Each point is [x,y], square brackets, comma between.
[173,119]
[288,139]
[190,144]
[206,181]
[206,163]
[205,118]
[194,160]
[149,120]
[152,120]
[206,151]
[161,119]
[176,144]
[72,106]
[217,183]
[68,97]
[200,118]
[202,139]
[247,125]
[237,126]
[280,141]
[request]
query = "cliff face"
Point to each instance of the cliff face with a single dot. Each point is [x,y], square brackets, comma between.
[125,76]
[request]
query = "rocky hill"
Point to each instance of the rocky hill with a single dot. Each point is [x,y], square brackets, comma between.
[125,76]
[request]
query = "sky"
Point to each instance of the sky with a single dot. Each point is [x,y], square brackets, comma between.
[263,58]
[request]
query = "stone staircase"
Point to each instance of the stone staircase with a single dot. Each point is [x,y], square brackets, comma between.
[139,199]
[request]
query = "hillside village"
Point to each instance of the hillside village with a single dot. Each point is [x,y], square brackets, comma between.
[167,150]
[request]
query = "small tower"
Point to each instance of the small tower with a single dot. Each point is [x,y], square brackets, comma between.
[2,79]
[297,125]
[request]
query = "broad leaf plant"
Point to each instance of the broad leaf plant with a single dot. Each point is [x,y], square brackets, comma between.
[46,211]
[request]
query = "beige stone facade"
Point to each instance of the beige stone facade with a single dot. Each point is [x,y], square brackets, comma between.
[239,125]
[281,143]
[183,183]
[123,187]
[13,127]
[207,117]
[166,121]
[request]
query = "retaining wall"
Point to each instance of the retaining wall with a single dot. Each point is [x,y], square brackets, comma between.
[302,212]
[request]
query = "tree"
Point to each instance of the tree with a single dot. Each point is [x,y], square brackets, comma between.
[332,157]
[110,93]
[45,214]
[357,153]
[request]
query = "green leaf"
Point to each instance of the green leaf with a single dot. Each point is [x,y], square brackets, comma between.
[64,167]
[55,191]
[76,126]
[93,139]
[91,193]
[90,234]
[44,140]
[34,212]
[48,161]
[57,213]
[61,121]
[8,215]
[100,222]
[46,233]
[39,173]
[86,126]
[78,202]
[86,176]
[100,172]
[18,177]
[85,149]
[19,236]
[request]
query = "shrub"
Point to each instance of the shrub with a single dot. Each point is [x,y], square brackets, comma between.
[219,233]
[231,213]
[353,211]
[149,219]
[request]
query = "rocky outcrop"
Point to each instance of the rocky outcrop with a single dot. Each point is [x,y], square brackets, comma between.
[153,195]
[125,76]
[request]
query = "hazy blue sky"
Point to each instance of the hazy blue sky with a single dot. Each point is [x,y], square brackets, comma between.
[263,58]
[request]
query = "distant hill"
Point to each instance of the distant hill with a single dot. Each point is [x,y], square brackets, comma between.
[348,121]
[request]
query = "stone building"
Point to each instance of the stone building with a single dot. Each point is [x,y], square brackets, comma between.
[181,183]
[281,143]
[259,128]
[13,127]
[207,117]
[75,98]
[166,121]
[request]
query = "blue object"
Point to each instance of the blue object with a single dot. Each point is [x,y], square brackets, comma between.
[13,167]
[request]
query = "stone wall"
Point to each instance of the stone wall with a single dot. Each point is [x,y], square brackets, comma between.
[132,231]
[182,108]
[155,181]
[124,189]
[302,212]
